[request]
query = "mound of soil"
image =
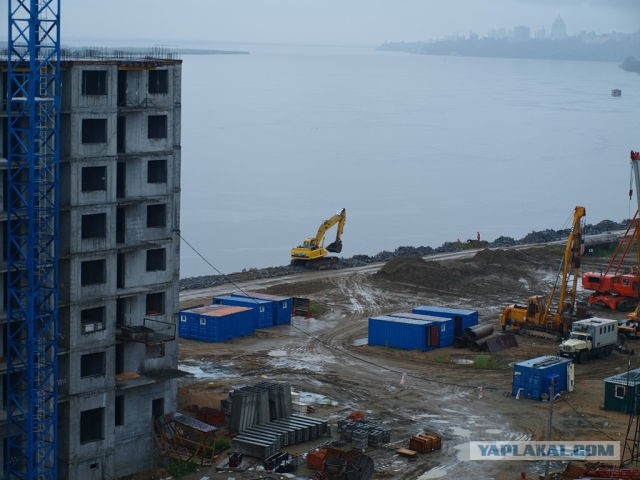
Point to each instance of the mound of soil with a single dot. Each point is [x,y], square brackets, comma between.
[486,272]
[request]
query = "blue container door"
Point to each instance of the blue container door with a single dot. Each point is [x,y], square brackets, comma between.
[435,336]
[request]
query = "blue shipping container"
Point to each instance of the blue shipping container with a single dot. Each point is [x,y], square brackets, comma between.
[463,318]
[264,317]
[445,326]
[532,378]
[216,323]
[281,305]
[405,333]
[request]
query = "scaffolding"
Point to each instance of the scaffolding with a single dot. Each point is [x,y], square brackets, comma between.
[32,257]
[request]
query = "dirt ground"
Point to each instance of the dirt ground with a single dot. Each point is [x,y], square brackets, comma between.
[327,359]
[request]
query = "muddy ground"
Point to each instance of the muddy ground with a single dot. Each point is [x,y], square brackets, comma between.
[409,392]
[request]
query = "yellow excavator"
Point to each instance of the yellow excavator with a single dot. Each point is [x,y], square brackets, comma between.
[312,252]
[537,315]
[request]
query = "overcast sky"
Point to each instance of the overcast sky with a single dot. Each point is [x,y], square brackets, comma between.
[368,22]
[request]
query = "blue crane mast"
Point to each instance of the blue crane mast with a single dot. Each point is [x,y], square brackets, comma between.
[33,109]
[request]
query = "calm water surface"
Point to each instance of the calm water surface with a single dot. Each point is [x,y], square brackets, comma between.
[419,149]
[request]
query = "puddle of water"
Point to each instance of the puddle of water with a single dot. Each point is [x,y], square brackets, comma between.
[494,431]
[437,472]
[462,361]
[463,452]
[207,370]
[297,364]
[277,353]
[360,342]
[461,432]
[309,397]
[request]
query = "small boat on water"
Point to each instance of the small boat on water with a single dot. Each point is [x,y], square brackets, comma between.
[616,92]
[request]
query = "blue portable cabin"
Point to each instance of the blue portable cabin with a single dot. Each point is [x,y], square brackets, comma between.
[264,316]
[404,333]
[462,318]
[216,323]
[445,326]
[532,378]
[281,305]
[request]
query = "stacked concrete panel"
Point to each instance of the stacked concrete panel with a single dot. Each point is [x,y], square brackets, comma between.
[262,414]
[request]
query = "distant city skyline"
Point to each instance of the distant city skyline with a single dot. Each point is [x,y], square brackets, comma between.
[207,22]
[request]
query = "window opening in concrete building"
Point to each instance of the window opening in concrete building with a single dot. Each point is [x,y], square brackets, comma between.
[94,225]
[156,259]
[93,272]
[155,303]
[92,319]
[157,171]
[119,312]
[94,82]
[91,425]
[154,350]
[92,364]
[122,87]
[120,274]
[119,413]
[94,130]
[121,134]
[157,126]
[120,224]
[124,310]
[94,178]
[119,358]
[121,180]
[157,407]
[158,81]
[156,215]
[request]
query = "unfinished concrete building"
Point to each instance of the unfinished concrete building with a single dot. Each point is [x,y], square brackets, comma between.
[119,258]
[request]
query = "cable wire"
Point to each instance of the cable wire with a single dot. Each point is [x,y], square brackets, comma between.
[224,275]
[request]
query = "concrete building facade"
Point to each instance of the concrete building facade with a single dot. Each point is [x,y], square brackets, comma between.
[119,260]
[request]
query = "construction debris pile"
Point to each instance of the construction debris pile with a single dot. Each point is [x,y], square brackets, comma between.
[262,414]
[183,438]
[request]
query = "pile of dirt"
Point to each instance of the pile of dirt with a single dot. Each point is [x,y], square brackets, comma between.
[485,272]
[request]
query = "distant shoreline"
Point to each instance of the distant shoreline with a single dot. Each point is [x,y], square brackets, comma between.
[197,51]
[535,237]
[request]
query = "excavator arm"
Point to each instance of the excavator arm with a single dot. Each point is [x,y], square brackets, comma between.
[339,218]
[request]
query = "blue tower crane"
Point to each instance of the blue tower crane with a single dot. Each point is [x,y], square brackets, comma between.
[33,109]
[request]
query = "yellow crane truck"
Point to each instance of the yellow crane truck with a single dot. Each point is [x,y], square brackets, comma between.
[537,315]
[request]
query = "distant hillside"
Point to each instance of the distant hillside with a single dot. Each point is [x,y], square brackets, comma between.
[631,64]
[584,47]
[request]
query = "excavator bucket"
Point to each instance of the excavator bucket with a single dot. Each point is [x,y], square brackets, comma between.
[335,247]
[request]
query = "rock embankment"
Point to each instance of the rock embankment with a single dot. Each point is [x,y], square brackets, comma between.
[544,236]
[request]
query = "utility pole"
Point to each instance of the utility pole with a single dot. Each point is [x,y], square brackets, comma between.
[549,422]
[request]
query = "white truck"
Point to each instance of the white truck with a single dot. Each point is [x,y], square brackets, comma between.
[590,338]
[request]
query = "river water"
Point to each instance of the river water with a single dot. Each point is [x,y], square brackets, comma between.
[419,149]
